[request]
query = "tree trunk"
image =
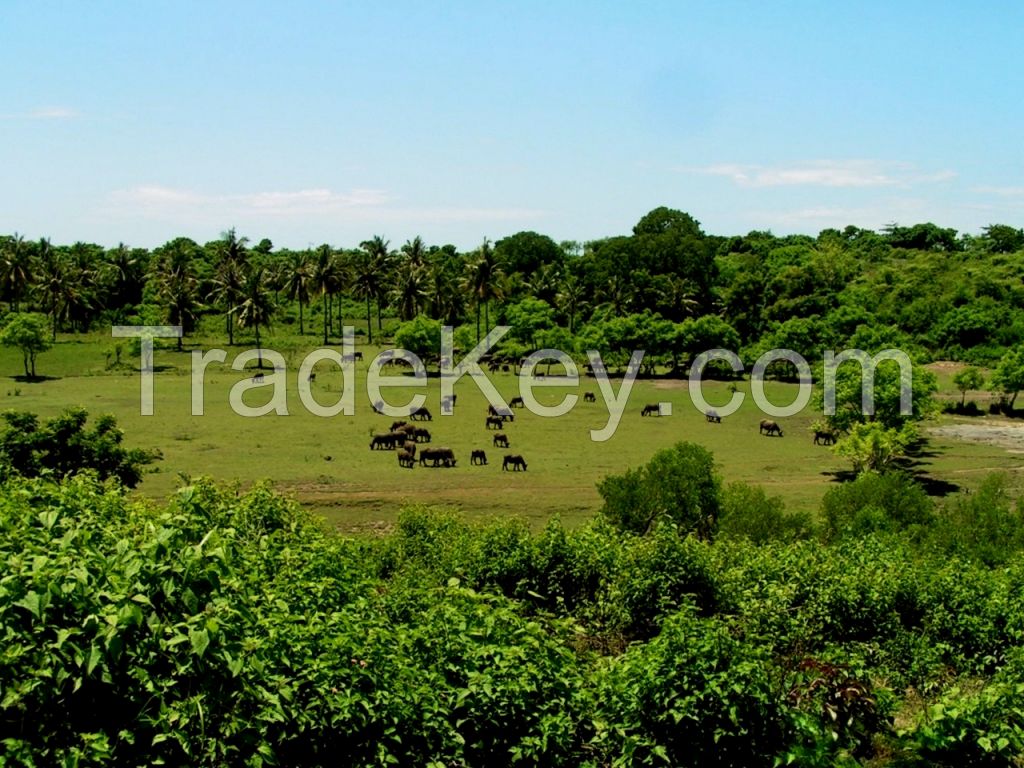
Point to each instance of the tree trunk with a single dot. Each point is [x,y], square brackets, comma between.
[379,326]
[259,349]
[302,329]
[32,357]
[323,296]
[24,359]
[369,322]
[341,324]
[478,322]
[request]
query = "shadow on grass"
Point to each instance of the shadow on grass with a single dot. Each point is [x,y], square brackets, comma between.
[23,379]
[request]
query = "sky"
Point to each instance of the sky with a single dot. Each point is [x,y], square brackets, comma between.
[314,122]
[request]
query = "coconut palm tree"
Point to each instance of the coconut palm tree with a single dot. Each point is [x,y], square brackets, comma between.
[229,277]
[415,251]
[16,269]
[325,279]
[409,289]
[482,273]
[53,277]
[366,281]
[444,294]
[381,258]
[297,281]
[256,307]
[178,284]
[123,275]
[570,298]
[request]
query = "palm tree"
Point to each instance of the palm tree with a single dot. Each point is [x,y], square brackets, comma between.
[415,251]
[124,275]
[53,277]
[229,277]
[543,283]
[617,293]
[80,290]
[297,276]
[226,292]
[380,257]
[569,298]
[444,293]
[16,269]
[325,279]
[409,289]
[256,307]
[366,281]
[178,285]
[481,278]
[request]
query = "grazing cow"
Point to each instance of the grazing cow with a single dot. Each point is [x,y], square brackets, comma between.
[824,437]
[713,417]
[769,428]
[516,402]
[357,356]
[397,425]
[399,438]
[382,443]
[500,440]
[589,397]
[437,457]
[406,459]
[311,378]
[515,461]
[651,409]
[409,446]
[495,422]
[421,414]
[505,368]
[448,403]
[478,457]
[378,406]
[421,435]
[258,378]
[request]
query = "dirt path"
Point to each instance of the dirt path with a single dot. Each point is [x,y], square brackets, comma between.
[1004,435]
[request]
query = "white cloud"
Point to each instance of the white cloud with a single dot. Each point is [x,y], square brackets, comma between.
[824,173]
[53,113]
[44,113]
[170,203]
[999,191]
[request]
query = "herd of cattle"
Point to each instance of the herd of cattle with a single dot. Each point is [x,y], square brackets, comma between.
[405,438]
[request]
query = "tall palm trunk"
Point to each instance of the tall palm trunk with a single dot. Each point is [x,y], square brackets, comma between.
[369,322]
[302,328]
[323,297]
[259,349]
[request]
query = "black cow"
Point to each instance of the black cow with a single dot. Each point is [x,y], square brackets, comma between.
[713,417]
[501,440]
[651,409]
[589,397]
[769,428]
[494,422]
[478,456]
[515,461]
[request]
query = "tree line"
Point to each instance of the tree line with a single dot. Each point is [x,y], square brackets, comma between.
[667,287]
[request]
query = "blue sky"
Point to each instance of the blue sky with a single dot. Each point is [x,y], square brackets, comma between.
[330,122]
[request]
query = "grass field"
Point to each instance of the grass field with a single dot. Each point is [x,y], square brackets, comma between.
[326,463]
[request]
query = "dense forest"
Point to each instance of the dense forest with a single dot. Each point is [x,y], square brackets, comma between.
[668,288]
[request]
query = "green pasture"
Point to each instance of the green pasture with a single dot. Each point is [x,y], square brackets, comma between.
[326,462]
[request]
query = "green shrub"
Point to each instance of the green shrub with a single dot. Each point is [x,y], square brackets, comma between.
[679,483]
[875,502]
[693,696]
[749,513]
[987,525]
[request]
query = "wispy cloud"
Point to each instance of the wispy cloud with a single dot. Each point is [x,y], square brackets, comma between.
[170,203]
[824,173]
[999,191]
[43,113]
[53,113]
